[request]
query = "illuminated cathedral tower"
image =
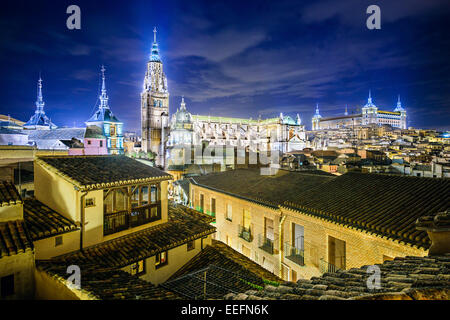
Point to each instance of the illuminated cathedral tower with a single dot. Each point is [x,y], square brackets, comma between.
[155,107]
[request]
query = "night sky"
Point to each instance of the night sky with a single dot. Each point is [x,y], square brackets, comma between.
[240,59]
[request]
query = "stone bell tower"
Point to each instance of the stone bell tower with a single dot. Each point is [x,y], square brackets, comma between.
[155,107]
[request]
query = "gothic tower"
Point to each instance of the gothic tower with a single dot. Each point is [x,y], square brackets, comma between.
[155,107]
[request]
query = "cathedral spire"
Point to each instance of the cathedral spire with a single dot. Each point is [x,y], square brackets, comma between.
[154,56]
[40,100]
[103,96]
[346,110]
[369,100]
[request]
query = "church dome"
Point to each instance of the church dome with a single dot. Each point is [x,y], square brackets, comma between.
[182,115]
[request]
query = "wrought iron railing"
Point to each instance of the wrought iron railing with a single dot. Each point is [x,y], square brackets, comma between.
[325,266]
[267,244]
[245,233]
[296,255]
[123,220]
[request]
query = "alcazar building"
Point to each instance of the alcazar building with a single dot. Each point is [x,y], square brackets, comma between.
[370,114]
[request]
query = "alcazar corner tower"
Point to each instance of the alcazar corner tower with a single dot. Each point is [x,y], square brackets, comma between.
[155,106]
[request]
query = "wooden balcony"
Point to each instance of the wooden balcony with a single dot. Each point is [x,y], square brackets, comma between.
[123,220]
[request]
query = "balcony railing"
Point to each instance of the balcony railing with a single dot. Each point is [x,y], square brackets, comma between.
[267,244]
[296,255]
[123,220]
[245,233]
[325,266]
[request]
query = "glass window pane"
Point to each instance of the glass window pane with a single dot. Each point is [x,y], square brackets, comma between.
[144,193]
[154,195]
[135,198]
[120,203]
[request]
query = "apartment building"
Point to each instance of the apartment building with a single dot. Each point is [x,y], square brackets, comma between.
[301,225]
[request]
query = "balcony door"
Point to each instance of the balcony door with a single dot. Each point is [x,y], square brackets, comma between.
[297,236]
[202,202]
[247,219]
[268,229]
[336,252]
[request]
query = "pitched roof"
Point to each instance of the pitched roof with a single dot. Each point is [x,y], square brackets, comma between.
[408,278]
[222,270]
[386,205]
[9,194]
[182,227]
[57,134]
[14,238]
[223,255]
[43,222]
[97,172]
[108,283]
[269,190]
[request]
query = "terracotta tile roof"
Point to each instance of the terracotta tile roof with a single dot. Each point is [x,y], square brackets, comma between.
[269,190]
[14,238]
[8,194]
[440,221]
[43,222]
[96,172]
[225,269]
[408,278]
[108,283]
[386,205]
[223,255]
[181,228]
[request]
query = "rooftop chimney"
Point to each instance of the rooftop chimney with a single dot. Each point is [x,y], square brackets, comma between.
[438,229]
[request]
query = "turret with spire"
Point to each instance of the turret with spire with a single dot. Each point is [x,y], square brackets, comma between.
[109,124]
[39,120]
[316,119]
[317,114]
[399,107]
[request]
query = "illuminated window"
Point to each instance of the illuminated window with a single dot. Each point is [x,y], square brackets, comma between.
[161,259]
[138,268]
[229,212]
[247,219]
[154,194]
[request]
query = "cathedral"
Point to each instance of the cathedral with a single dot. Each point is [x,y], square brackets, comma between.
[159,135]
[370,114]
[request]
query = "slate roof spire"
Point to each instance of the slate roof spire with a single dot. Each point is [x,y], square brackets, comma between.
[39,119]
[103,96]
[154,56]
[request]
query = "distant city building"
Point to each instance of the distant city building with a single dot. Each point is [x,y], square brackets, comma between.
[39,120]
[370,114]
[111,126]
